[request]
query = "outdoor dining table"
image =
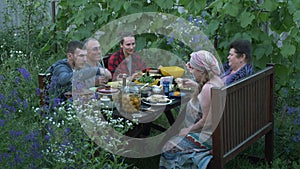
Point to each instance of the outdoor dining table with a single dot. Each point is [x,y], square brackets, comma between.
[146,116]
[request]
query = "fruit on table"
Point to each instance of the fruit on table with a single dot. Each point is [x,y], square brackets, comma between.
[176,93]
[131,103]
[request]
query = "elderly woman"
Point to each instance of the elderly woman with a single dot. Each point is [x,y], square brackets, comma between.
[239,64]
[191,148]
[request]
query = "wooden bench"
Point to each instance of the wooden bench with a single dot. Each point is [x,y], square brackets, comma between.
[247,117]
[43,80]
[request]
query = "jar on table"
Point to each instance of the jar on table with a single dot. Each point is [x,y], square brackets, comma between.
[131,99]
[107,97]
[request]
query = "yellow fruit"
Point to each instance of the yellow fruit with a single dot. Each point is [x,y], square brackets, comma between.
[176,93]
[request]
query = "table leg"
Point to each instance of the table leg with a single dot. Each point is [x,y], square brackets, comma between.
[170,117]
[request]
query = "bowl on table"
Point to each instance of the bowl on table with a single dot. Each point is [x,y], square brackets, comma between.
[156,89]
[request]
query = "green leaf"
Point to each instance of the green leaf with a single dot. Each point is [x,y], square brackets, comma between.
[296,16]
[37,4]
[150,8]
[270,5]
[281,72]
[165,4]
[287,50]
[293,5]
[126,5]
[116,4]
[264,16]
[263,49]
[232,9]
[135,7]
[212,26]
[193,6]
[246,18]
[261,63]
[259,52]
[217,5]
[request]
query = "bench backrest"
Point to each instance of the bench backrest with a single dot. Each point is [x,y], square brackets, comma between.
[247,116]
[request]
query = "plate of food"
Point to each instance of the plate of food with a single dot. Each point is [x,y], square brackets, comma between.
[157,100]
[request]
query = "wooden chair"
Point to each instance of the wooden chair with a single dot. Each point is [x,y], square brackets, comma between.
[105,60]
[44,80]
[247,117]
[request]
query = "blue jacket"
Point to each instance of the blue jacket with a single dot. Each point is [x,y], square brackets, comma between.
[63,76]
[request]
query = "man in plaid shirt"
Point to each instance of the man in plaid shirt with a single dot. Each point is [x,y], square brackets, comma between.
[126,61]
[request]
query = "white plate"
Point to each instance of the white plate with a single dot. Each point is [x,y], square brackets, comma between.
[156,103]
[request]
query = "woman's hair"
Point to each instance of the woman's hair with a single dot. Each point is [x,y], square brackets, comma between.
[203,80]
[242,47]
[206,63]
[124,35]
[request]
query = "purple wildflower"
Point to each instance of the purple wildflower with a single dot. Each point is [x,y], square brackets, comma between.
[197,21]
[14,93]
[25,73]
[170,40]
[296,139]
[2,78]
[196,38]
[297,121]
[2,122]
[47,138]
[15,134]
[17,80]
[35,153]
[12,109]
[66,143]
[18,159]
[56,102]
[191,18]
[30,136]
[12,148]
[67,131]
[3,99]
[25,104]
[38,91]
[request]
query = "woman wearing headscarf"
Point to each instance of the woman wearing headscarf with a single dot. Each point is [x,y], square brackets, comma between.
[191,148]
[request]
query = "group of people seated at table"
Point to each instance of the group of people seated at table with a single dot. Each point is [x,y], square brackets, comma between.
[83,66]
[191,147]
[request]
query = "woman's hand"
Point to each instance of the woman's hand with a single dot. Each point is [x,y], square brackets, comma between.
[184,131]
[186,83]
[137,75]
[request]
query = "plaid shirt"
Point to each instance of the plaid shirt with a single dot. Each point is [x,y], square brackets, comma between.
[117,64]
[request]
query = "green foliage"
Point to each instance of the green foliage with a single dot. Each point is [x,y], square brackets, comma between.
[271,26]
[146,79]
